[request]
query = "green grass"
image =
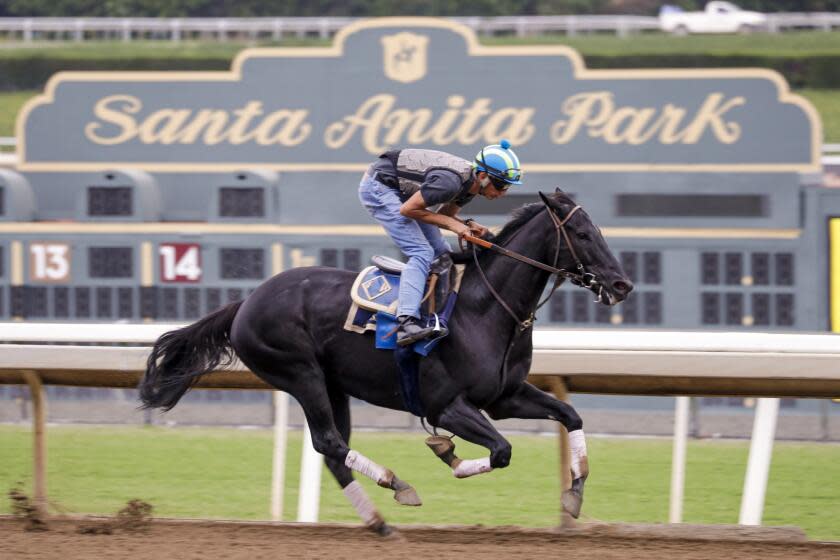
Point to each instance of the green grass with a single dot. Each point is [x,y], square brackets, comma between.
[225,473]
[827,103]
[10,104]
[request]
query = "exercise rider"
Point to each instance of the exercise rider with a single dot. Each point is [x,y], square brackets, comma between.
[399,188]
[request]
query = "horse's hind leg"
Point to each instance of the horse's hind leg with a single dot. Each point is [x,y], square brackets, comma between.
[304,379]
[404,493]
[351,488]
[327,440]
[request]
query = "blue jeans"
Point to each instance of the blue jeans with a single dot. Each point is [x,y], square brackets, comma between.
[421,243]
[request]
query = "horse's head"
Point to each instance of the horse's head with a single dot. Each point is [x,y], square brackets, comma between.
[584,251]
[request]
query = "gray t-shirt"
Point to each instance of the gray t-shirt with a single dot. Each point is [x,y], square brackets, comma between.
[439,185]
[442,186]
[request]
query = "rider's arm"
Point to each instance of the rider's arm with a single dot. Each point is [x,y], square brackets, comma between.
[453,207]
[440,186]
[415,208]
[449,209]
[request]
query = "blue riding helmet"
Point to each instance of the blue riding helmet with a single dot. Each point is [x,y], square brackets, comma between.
[500,163]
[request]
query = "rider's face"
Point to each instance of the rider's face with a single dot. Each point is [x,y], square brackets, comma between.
[486,187]
[492,192]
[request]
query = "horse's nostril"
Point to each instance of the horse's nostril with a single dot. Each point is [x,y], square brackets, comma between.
[622,287]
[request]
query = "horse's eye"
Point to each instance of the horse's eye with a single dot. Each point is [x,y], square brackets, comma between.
[583,236]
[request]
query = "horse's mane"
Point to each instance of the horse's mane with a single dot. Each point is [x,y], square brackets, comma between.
[519,218]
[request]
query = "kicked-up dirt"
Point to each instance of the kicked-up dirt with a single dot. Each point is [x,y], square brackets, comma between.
[217,540]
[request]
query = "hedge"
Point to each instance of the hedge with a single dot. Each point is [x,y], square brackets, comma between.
[33,72]
[817,72]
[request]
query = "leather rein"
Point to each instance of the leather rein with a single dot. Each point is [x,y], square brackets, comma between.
[581,277]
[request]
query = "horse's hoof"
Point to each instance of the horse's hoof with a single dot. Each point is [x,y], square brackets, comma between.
[404,493]
[384,530]
[572,502]
[381,528]
[390,534]
[408,497]
[443,448]
[572,499]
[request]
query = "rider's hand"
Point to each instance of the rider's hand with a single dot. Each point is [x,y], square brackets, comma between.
[460,229]
[477,229]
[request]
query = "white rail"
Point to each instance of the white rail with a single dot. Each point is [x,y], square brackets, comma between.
[222,29]
[631,341]
[702,362]
[831,154]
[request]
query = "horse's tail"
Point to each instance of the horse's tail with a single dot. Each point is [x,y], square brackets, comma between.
[181,356]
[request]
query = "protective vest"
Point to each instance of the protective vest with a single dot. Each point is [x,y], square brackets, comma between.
[412,166]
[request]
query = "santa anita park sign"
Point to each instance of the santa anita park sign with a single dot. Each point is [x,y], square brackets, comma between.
[418,82]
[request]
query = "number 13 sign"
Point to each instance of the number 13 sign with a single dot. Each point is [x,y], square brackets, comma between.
[180,262]
[49,262]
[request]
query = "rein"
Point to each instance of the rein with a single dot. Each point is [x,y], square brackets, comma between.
[581,277]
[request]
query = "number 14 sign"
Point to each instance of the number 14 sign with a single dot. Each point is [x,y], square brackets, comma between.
[180,262]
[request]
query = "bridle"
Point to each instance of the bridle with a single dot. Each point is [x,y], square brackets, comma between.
[581,277]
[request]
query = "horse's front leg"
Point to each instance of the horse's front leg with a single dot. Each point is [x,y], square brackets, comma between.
[529,402]
[464,420]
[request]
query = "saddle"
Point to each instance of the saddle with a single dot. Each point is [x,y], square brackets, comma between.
[375,294]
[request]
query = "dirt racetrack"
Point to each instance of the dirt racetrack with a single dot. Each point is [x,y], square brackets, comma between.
[206,540]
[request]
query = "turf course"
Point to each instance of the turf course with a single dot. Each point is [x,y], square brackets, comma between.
[225,473]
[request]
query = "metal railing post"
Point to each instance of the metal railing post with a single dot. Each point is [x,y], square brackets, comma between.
[758,465]
[681,414]
[278,472]
[39,443]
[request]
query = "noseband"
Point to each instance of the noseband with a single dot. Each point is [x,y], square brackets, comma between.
[580,278]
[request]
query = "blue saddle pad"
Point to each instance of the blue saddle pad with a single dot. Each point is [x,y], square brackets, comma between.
[376,290]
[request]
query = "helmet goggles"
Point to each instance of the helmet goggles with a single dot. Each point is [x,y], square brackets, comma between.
[499,184]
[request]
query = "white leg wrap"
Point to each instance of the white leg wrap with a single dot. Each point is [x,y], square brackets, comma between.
[577,446]
[359,498]
[365,466]
[472,467]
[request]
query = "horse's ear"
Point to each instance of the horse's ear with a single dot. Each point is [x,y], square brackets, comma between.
[544,198]
[557,190]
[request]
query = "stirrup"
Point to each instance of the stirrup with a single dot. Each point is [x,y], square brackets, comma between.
[421,333]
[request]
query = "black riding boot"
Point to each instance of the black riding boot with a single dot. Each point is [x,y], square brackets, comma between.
[411,330]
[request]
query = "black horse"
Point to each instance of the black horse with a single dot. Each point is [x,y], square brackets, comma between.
[289,332]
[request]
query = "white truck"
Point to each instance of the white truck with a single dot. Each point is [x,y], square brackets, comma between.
[718,17]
